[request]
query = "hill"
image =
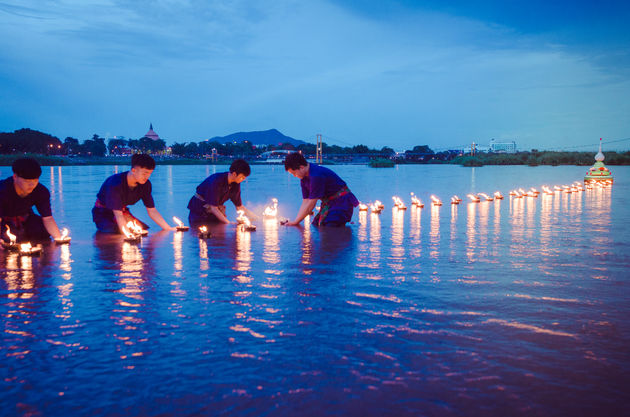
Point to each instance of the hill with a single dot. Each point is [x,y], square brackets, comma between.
[264,137]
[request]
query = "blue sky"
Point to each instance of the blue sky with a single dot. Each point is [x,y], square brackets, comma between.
[547,74]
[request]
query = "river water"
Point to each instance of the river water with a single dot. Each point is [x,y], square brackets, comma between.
[512,307]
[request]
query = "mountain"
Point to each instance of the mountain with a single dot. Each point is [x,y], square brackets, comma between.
[264,137]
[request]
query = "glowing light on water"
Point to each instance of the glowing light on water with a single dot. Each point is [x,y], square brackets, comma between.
[547,190]
[11,236]
[130,235]
[486,196]
[272,210]
[244,223]
[455,200]
[415,201]
[474,198]
[28,249]
[399,203]
[377,207]
[363,207]
[203,232]
[435,201]
[180,225]
[498,195]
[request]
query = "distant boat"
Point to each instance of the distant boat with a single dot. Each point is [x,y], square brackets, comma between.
[274,157]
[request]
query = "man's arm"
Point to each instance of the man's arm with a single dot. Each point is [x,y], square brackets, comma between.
[219,215]
[51,227]
[120,219]
[157,217]
[308,204]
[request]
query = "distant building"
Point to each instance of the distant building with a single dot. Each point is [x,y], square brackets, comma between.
[502,147]
[151,133]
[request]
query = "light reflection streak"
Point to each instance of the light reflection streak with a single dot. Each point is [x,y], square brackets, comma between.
[398,237]
[243,254]
[177,255]
[415,249]
[471,231]
[307,245]
[204,262]
[271,244]
[375,241]
[454,216]
[434,233]
[362,237]
[546,207]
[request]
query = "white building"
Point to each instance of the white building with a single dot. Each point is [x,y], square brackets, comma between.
[502,147]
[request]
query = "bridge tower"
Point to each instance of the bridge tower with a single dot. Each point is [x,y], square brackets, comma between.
[318,152]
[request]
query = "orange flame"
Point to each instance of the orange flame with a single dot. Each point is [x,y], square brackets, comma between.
[11,236]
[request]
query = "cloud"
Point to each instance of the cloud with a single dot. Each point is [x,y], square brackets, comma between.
[199,69]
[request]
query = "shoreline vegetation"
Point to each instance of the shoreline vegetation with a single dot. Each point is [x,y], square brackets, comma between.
[519,158]
[48,150]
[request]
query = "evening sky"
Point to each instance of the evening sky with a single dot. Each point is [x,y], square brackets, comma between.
[547,74]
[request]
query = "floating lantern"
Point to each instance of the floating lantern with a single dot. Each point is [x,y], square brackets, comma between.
[415,201]
[486,196]
[531,194]
[567,189]
[203,232]
[533,190]
[376,208]
[379,205]
[455,200]
[136,229]
[28,250]
[547,190]
[243,222]
[435,201]
[272,210]
[180,225]
[363,207]
[130,236]
[399,203]
[474,198]
[12,243]
[498,195]
[64,238]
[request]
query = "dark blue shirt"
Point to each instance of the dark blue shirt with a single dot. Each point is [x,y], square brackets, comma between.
[324,183]
[12,205]
[215,190]
[115,193]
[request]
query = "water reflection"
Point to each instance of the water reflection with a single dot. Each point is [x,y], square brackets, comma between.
[434,234]
[398,236]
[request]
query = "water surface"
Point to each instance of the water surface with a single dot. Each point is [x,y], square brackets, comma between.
[513,307]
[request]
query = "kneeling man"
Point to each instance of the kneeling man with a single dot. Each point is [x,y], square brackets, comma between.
[18,195]
[110,212]
[320,183]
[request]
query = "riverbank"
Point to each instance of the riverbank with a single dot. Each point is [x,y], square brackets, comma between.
[521,158]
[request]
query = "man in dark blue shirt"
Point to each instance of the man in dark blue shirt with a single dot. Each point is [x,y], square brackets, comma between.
[18,195]
[110,212]
[320,183]
[207,205]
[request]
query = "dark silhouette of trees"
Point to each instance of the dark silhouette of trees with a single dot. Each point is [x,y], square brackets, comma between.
[30,141]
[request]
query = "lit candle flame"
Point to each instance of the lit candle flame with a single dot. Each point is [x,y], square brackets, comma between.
[11,236]
[474,198]
[178,222]
[416,201]
[127,233]
[64,233]
[486,196]
[242,218]
[363,207]
[436,201]
[398,203]
[498,195]
[272,210]
[25,247]
[454,200]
